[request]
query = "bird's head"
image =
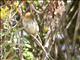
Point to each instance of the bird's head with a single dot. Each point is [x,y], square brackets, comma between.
[28,15]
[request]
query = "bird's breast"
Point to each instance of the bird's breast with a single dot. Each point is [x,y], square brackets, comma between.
[31,26]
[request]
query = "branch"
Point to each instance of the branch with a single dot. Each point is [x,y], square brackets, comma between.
[38,43]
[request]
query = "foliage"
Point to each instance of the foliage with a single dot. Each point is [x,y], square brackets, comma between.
[59,32]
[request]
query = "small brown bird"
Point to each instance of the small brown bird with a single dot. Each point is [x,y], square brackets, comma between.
[30,24]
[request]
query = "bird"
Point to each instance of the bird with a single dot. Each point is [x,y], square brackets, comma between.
[30,24]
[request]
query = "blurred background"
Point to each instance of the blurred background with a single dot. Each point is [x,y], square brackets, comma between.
[39,29]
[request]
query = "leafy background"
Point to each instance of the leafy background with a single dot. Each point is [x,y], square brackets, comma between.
[59,32]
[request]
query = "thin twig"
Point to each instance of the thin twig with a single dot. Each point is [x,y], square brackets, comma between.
[76,27]
[37,42]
